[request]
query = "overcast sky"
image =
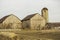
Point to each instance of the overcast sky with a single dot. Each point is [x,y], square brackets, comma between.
[22,8]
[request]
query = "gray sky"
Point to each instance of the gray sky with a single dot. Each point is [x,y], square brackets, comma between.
[22,8]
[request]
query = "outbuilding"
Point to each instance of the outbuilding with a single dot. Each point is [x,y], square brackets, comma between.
[10,22]
[33,21]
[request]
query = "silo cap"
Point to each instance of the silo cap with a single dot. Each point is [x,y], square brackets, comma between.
[44,8]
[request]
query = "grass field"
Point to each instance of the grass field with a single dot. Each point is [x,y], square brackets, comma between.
[38,34]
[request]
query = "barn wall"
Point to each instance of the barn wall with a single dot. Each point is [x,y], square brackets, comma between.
[26,24]
[37,22]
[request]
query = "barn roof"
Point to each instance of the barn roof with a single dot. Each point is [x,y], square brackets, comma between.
[29,17]
[2,19]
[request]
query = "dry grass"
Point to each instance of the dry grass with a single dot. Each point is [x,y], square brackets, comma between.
[38,34]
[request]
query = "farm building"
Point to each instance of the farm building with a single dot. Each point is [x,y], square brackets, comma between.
[33,21]
[55,25]
[10,22]
[36,21]
[44,14]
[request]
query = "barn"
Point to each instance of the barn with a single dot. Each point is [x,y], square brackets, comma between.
[33,21]
[10,22]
